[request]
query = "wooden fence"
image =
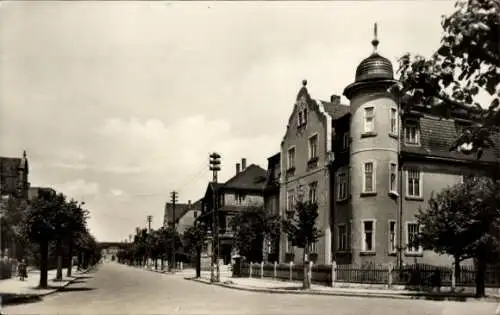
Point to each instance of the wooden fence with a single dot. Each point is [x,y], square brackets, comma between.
[416,275]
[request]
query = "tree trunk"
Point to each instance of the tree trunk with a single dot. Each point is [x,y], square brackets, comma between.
[44,261]
[480,278]
[70,258]
[457,270]
[307,281]
[156,263]
[59,274]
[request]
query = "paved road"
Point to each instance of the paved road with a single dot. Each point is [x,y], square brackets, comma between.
[118,289]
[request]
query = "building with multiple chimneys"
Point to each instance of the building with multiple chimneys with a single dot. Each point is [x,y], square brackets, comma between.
[370,167]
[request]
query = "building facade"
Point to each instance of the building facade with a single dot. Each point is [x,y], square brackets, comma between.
[14,176]
[244,190]
[370,167]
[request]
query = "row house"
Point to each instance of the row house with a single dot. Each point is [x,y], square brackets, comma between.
[244,190]
[370,167]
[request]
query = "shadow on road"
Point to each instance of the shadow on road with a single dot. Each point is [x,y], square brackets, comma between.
[84,277]
[76,289]
[14,299]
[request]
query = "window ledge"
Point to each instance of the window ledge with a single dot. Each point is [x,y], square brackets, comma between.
[343,252]
[393,135]
[412,144]
[368,253]
[368,134]
[368,194]
[392,253]
[415,198]
[393,194]
[343,201]
[414,254]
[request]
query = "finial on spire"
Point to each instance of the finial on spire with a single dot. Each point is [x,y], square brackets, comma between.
[304,83]
[24,153]
[375,41]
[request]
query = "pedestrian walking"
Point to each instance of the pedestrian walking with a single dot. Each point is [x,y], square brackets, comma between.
[22,270]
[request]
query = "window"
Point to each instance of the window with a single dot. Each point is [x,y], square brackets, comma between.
[393,177]
[412,230]
[394,121]
[345,141]
[342,237]
[290,200]
[289,246]
[313,147]
[368,177]
[342,184]
[369,119]
[313,247]
[291,158]
[229,228]
[313,187]
[299,121]
[392,236]
[240,198]
[414,182]
[368,235]
[412,134]
[305,116]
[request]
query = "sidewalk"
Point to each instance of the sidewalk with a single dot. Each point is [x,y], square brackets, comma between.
[14,290]
[267,285]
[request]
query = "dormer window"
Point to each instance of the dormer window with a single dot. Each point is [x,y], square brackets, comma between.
[412,133]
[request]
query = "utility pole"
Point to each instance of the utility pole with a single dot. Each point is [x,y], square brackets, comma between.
[149,219]
[215,167]
[174,200]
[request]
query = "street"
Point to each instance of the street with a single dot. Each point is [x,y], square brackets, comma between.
[119,289]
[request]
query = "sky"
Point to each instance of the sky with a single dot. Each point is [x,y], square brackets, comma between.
[119,103]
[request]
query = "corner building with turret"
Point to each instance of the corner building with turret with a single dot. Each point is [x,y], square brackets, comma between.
[370,167]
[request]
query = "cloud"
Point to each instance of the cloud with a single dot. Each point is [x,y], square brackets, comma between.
[78,188]
[116,192]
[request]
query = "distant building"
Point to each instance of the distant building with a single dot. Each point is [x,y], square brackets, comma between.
[180,211]
[35,192]
[187,220]
[272,202]
[244,190]
[14,176]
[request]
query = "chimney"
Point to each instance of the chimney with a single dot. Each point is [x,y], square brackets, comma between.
[237,168]
[243,164]
[335,99]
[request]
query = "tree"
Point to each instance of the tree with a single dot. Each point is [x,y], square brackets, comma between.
[463,221]
[251,228]
[465,68]
[39,229]
[193,238]
[302,232]
[77,224]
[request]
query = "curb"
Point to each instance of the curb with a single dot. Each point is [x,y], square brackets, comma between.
[402,296]
[23,298]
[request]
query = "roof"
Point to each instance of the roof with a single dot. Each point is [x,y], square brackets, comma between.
[251,178]
[336,110]
[437,137]
[180,210]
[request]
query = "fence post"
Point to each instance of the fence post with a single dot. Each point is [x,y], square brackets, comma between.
[250,270]
[389,276]
[182,266]
[334,272]
[261,269]
[291,271]
[275,269]
[453,278]
[166,264]
[309,271]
